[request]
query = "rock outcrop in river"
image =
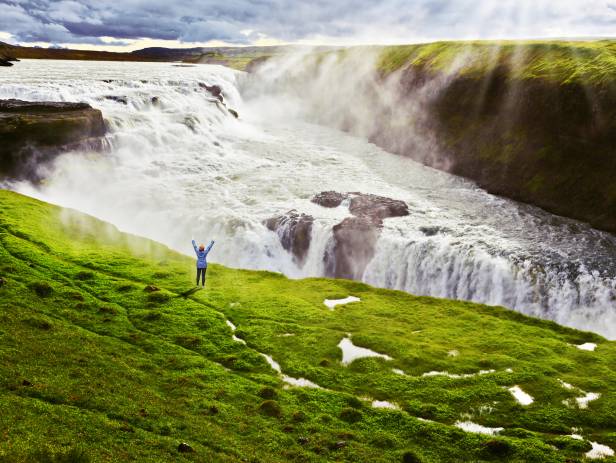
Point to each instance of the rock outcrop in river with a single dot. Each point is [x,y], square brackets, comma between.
[353,240]
[35,132]
[294,231]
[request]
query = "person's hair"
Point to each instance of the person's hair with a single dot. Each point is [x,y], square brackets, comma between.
[201,247]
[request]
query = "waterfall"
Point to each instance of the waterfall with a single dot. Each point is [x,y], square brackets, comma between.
[180,166]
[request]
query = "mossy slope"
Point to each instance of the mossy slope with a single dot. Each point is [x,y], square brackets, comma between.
[96,368]
[532,121]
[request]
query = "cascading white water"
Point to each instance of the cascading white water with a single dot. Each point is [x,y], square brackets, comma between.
[183,167]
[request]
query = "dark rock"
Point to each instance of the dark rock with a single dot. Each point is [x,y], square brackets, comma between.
[330,199]
[151,289]
[5,62]
[155,100]
[377,206]
[355,238]
[268,392]
[350,415]
[302,440]
[233,112]
[410,457]
[215,90]
[433,231]
[185,448]
[35,132]
[295,232]
[42,288]
[2,282]
[339,445]
[271,408]
[26,383]
[353,247]
[118,99]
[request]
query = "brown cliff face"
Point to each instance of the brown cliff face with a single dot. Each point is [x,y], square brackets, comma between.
[548,144]
[541,142]
[35,132]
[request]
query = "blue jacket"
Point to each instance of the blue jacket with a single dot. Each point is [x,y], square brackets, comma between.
[202,255]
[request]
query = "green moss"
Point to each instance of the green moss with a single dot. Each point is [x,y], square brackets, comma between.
[134,381]
[564,62]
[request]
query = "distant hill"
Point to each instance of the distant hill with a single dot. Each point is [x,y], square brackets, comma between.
[235,57]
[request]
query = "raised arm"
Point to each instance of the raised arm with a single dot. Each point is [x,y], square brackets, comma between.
[195,247]
[207,250]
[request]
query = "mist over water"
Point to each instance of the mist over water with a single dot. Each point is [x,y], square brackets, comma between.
[184,168]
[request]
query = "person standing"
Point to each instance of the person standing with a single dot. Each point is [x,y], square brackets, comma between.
[202,253]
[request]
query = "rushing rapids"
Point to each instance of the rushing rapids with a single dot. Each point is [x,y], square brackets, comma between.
[180,165]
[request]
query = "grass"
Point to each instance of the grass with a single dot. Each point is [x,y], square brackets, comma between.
[591,63]
[95,368]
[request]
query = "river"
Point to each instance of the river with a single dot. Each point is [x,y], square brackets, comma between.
[183,167]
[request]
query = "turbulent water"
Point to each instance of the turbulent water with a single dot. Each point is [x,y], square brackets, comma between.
[185,168]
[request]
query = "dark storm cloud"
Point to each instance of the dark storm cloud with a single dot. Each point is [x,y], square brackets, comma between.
[242,21]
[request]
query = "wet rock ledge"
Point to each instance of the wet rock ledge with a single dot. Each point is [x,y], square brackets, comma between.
[35,132]
[353,241]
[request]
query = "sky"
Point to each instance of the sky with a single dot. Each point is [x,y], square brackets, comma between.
[125,25]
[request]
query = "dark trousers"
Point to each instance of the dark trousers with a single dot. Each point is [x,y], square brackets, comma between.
[201,273]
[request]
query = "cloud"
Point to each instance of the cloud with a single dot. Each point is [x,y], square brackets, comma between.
[351,21]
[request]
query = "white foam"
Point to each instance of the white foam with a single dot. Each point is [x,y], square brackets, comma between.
[469,426]
[457,376]
[275,365]
[351,352]
[300,382]
[589,397]
[589,346]
[332,303]
[384,404]
[522,397]
[575,436]
[599,451]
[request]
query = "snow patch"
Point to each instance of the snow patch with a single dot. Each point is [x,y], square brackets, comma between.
[522,397]
[331,304]
[475,428]
[453,353]
[300,382]
[231,325]
[236,339]
[286,335]
[566,385]
[384,404]
[275,365]
[456,376]
[589,346]
[398,371]
[589,397]
[351,352]
[599,451]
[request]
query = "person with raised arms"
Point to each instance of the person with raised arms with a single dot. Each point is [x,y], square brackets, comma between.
[202,253]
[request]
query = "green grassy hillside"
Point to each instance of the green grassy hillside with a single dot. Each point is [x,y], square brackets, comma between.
[590,63]
[96,365]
